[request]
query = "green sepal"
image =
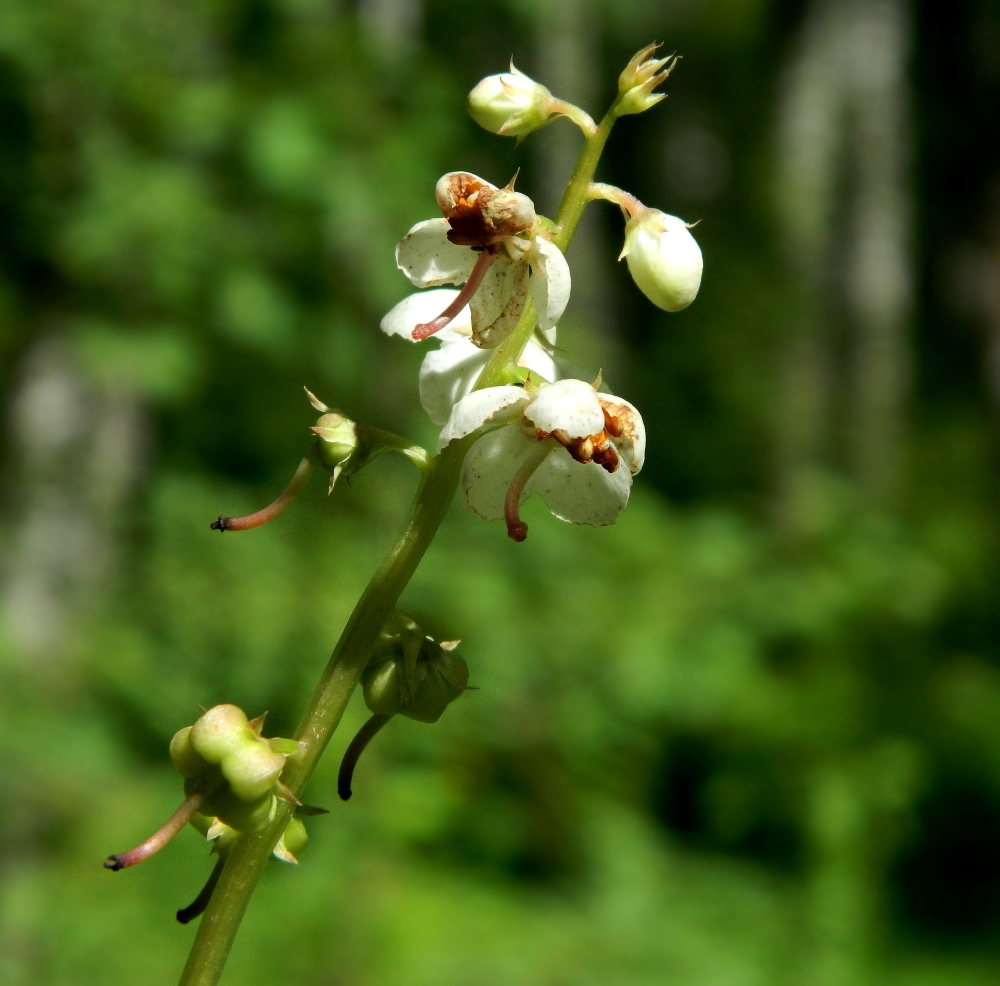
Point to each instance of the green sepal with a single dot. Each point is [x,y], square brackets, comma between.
[286,747]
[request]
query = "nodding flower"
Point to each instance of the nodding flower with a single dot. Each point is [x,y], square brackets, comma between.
[492,243]
[577,448]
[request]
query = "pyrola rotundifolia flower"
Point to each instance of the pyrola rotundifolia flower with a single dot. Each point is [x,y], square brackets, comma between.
[510,104]
[490,241]
[577,448]
[663,258]
[448,373]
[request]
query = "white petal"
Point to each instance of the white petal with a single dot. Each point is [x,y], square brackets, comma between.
[497,305]
[569,405]
[550,284]
[482,407]
[580,493]
[429,259]
[632,443]
[536,357]
[425,306]
[449,373]
[489,470]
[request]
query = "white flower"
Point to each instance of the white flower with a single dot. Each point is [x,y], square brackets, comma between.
[577,448]
[663,258]
[510,104]
[449,373]
[490,241]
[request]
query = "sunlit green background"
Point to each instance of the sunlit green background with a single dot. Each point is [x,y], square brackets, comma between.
[748,736]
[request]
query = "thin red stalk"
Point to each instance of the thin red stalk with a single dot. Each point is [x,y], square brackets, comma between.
[160,837]
[517,529]
[279,506]
[427,329]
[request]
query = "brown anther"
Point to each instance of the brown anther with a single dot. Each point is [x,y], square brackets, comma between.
[563,438]
[583,450]
[480,214]
[612,425]
[606,457]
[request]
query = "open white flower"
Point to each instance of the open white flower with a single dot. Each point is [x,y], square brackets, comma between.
[450,372]
[491,242]
[577,448]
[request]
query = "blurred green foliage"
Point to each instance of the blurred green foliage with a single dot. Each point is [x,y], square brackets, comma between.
[709,746]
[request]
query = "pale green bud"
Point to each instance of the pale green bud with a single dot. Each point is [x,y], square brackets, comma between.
[222,730]
[663,258]
[510,104]
[638,80]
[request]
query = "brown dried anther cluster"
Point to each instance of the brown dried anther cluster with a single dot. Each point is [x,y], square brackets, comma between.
[593,448]
[481,215]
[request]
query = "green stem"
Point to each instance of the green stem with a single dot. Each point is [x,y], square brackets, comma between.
[574,201]
[249,856]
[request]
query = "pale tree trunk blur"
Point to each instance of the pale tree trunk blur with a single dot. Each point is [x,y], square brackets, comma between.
[879,288]
[76,452]
[842,195]
[568,61]
[842,203]
[392,27]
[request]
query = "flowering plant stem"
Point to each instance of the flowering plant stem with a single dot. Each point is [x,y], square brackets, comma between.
[248,857]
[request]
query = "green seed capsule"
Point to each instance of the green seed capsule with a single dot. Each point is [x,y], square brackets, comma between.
[221,731]
[419,687]
[188,761]
[244,816]
[252,770]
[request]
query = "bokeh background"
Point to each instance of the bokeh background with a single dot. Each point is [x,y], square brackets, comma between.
[748,736]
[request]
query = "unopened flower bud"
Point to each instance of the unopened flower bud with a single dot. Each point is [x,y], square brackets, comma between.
[663,258]
[509,104]
[188,761]
[252,770]
[222,730]
[639,78]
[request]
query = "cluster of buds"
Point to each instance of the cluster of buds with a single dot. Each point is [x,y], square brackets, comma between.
[232,784]
[408,674]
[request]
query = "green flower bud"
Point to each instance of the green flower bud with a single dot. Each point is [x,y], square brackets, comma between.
[221,731]
[663,258]
[638,80]
[510,104]
[252,770]
[188,761]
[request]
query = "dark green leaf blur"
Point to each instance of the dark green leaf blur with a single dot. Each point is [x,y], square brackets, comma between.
[748,736]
